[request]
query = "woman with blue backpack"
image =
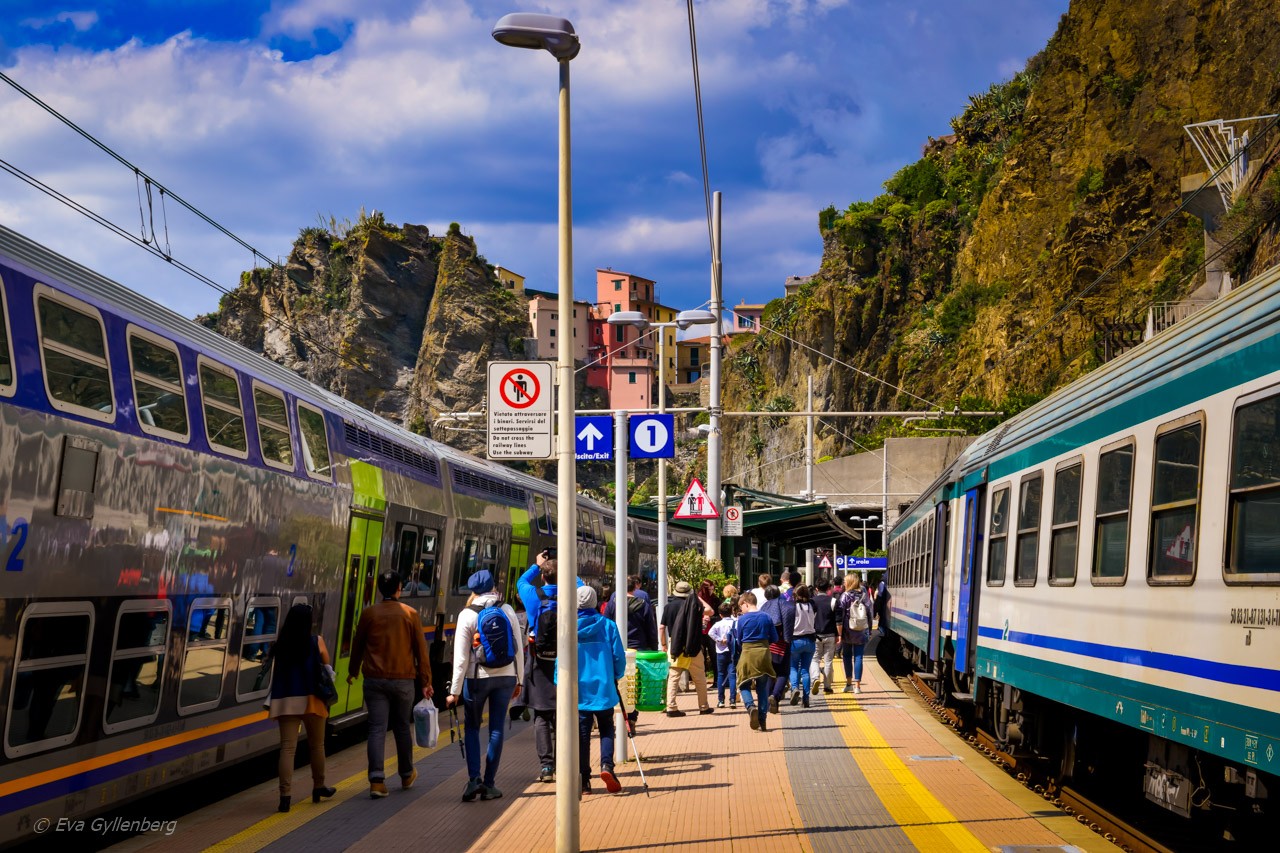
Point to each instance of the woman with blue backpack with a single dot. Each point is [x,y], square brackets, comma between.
[488,669]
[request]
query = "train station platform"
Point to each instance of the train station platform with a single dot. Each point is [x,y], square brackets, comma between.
[862,772]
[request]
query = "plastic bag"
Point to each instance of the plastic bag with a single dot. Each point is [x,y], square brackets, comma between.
[426,724]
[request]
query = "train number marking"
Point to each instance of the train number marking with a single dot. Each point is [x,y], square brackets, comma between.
[17,541]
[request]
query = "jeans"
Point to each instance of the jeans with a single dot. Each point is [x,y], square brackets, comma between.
[390,701]
[476,693]
[823,655]
[781,666]
[697,674]
[854,653]
[314,724]
[801,656]
[762,687]
[604,720]
[726,677]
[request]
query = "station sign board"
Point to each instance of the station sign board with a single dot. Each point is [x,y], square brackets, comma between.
[521,410]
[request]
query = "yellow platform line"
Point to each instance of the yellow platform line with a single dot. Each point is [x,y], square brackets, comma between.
[927,823]
[280,824]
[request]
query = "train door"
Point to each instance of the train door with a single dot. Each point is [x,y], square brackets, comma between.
[359,588]
[938,572]
[967,620]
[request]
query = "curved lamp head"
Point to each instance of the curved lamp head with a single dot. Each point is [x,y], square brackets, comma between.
[694,317]
[538,32]
[628,318]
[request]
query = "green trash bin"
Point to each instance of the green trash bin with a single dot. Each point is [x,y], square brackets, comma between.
[651,681]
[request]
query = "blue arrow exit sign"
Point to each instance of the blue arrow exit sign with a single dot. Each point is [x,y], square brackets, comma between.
[593,437]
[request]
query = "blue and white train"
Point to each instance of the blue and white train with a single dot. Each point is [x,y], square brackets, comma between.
[165,496]
[1097,581]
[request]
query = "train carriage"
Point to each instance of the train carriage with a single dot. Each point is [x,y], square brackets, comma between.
[1098,579]
[165,497]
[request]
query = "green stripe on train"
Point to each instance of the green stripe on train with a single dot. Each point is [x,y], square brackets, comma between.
[1250,736]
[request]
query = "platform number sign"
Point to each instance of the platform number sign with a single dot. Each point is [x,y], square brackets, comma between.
[653,436]
[696,503]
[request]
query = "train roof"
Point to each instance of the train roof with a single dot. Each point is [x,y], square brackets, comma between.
[41,262]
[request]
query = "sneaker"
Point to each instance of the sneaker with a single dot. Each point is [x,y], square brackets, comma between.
[755,719]
[828,689]
[806,701]
[473,789]
[406,782]
[707,711]
[848,688]
[377,790]
[814,689]
[773,704]
[763,727]
[611,783]
[547,774]
[719,704]
[733,706]
[586,786]
[857,688]
[795,697]
[490,792]
[675,713]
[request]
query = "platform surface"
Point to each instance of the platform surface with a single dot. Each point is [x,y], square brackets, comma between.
[868,772]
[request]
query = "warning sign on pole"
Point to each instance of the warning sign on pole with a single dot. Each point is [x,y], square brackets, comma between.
[733,521]
[520,409]
[696,503]
[826,562]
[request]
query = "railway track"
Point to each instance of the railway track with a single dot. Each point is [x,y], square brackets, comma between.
[1110,826]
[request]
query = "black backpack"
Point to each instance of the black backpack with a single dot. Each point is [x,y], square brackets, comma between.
[635,606]
[544,642]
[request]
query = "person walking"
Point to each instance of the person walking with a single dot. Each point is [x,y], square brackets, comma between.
[854,630]
[824,626]
[721,636]
[763,582]
[602,662]
[642,622]
[390,649]
[783,614]
[711,615]
[730,594]
[752,636]
[537,588]
[488,670]
[882,598]
[680,636]
[802,643]
[296,658]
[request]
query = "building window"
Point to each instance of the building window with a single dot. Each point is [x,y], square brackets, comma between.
[617,284]
[693,356]
[552,332]
[618,330]
[617,306]
[631,377]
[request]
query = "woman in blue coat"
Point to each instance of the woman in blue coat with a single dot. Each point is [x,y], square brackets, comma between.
[602,662]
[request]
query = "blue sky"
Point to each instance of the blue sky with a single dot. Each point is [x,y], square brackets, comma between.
[268,114]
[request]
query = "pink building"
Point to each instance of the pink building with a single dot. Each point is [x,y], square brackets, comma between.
[631,356]
[744,318]
[544,317]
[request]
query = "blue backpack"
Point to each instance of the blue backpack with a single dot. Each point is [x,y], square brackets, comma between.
[495,641]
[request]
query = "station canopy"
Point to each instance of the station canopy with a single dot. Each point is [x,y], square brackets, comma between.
[769,517]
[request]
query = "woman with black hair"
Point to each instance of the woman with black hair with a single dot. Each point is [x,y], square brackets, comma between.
[297,657]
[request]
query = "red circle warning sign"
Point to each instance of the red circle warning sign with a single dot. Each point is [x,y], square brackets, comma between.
[519,388]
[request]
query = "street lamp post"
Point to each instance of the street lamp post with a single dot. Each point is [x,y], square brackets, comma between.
[683,321]
[556,36]
[866,521]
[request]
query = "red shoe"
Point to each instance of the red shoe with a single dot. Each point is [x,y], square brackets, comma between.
[611,783]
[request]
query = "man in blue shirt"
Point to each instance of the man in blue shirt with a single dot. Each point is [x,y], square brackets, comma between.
[537,589]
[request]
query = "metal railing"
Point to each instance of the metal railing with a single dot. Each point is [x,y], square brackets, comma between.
[1163,315]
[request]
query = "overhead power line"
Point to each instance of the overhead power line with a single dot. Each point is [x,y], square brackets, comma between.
[702,131]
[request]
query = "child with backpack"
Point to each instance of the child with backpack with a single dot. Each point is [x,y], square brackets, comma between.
[488,670]
[720,634]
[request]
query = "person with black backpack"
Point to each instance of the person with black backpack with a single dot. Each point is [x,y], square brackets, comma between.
[642,623]
[537,589]
[488,669]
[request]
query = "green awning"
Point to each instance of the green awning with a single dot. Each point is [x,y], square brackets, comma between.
[802,525]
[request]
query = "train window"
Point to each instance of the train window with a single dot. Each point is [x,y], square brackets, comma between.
[406,558]
[137,665]
[7,384]
[540,517]
[1253,522]
[1028,544]
[315,446]
[998,538]
[261,624]
[157,385]
[1065,537]
[490,560]
[49,677]
[73,350]
[208,627]
[584,525]
[273,427]
[596,533]
[223,410]
[1175,501]
[427,564]
[468,561]
[1111,524]
[553,508]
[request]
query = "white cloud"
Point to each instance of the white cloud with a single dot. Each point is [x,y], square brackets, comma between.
[80,21]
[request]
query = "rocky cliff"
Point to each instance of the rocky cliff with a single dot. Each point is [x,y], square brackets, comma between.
[394,319]
[990,271]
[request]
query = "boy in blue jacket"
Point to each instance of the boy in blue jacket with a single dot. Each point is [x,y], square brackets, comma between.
[602,662]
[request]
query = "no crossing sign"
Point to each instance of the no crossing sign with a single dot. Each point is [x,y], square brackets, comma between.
[733,521]
[520,410]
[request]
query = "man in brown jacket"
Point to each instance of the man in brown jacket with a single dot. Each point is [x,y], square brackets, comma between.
[390,647]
